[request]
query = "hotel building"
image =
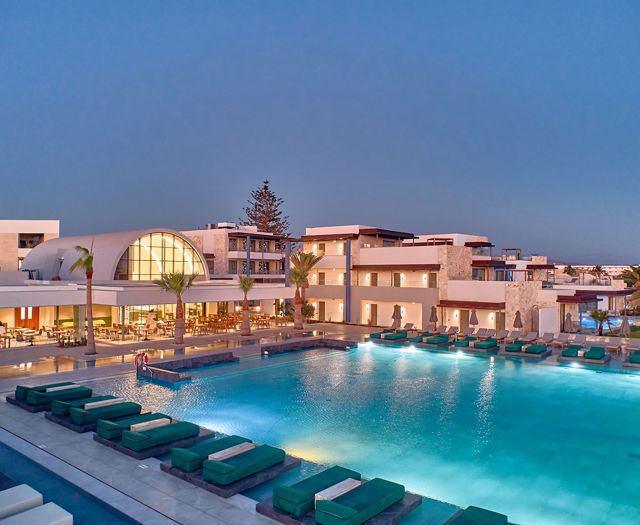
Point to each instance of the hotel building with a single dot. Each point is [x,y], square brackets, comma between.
[365,271]
[18,238]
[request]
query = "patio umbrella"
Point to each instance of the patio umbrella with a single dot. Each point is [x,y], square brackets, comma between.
[517,322]
[473,320]
[397,316]
[625,329]
[568,323]
[434,317]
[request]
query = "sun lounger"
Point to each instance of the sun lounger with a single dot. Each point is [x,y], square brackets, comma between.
[44,398]
[578,340]
[632,360]
[467,333]
[535,349]
[360,504]
[21,391]
[242,465]
[502,334]
[396,336]
[529,338]
[18,499]
[486,346]
[633,346]
[489,333]
[464,343]
[441,329]
[145,439]
[108,429]
[453,330]
[61,408]
[614,344]
[438,340]
[418,338]
[596,355]
[190,459]
[545,339]
[561,341]
[378,335]
[82,416]
[47,514]
[512,337]
[477,516]
[482,332]
[297,500]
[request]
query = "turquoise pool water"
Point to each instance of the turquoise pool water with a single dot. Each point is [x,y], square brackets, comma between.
[543,444]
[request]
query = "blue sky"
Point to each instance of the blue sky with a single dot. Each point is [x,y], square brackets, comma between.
[518,120]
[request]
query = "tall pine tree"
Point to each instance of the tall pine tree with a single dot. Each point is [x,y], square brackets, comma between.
[265,213]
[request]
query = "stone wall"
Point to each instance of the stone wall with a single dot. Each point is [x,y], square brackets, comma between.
[455,264]
[8,252]
[523,296]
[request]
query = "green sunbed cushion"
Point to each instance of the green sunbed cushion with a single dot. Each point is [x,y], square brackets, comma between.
[488,343]
[438,339]
[575,347]
[513,348]
[635,357]
[158,436]
[242,465]
[21,391]
[61,408]
[80,416]
[37,398]
[478,516]
[462,343]
[360,504]
[298,499]
[113,429]
[570,352]
[536,349]
[190,459]
[595,352]
[394,337]
[416,339]
[378,335]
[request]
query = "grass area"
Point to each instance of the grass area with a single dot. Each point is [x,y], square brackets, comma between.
[635,332]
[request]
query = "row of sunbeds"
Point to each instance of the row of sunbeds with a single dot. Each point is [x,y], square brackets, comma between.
[226,465]
[23,505]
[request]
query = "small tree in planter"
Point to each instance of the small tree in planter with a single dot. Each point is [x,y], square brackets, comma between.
[246,283]
[599,316]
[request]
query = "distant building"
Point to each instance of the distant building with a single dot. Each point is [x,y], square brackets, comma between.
[19,237]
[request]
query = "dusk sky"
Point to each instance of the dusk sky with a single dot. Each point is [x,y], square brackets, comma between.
[517,120]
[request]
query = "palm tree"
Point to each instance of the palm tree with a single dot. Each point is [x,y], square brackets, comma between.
[176,283]
[599,316]
[632,278]
[597,271]
[298,276]
[246,283]
[85,263]
[305,261]
[569,270]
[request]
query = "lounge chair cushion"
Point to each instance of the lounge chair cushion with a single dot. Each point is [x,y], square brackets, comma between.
[378,335]
[298,499]
[535,349]
[61,408]
[401,334]
[108,429]
[38,398]
[138,441]
[635,357]
[190,459]
[570,352]
[575,347]
[487,343]
[438,339]
[242,465]
[513,348]
[21,391]
[416,339]
[478,516]
[462,343]
[360,504]
[18,499]
[81,416]
[596,353]
[47,514]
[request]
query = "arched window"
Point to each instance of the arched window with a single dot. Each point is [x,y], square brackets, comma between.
[157,253]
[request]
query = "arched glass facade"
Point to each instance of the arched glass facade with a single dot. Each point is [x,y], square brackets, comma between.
[157,253]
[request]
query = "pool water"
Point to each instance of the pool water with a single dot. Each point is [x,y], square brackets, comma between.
[542,444]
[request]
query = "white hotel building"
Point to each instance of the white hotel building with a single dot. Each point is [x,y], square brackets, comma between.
[365,271]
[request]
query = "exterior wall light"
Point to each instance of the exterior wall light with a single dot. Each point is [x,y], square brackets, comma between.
[366,307]
[341,306]
[455,314]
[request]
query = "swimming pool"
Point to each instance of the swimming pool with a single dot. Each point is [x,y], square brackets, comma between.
[543,444]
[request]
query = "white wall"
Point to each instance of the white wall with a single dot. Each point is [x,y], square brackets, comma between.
[399,255]
[485,291]
[412,313]
[30,226]
[548,320]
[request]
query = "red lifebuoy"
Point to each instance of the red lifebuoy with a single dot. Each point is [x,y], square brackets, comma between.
[141,358]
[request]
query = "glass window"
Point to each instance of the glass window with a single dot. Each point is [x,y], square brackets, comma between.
[152,255]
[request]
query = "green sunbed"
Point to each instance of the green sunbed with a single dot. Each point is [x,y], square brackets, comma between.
[486,344]
[138,441]
[21,391]
[635,357]
[61,408]
[190,459]
[401,334]
[242,465]
[38,398]
[570,352]
[438,339]
[415,339]
[298,499]
[597,353]
[379,335]
[575,347]
[478,516]
[360,504]
[513,348]
[535,349]
[81,416]
[113,429]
